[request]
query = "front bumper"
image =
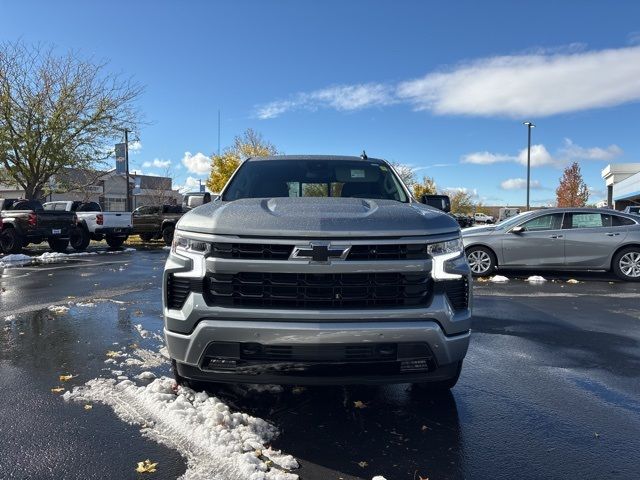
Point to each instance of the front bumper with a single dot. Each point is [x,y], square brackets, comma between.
[194,361]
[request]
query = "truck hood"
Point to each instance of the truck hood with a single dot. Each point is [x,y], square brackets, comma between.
[317,217]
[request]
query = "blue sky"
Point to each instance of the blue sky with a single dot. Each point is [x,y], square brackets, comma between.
[441,86]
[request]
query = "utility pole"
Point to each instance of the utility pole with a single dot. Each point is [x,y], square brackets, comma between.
[529,127]
[126,166]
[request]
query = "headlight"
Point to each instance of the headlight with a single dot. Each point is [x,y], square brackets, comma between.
[189,245]
[441,253]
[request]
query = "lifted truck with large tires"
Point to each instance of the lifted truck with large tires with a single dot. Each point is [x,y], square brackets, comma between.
[94,224]
[317,270]
[25,221]
[154,222]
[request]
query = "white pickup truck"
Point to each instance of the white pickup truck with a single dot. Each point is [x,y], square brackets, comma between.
[482,218]
[94,224]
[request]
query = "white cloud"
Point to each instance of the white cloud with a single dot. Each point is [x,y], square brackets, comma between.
[537,83]
[540,156]
[198,163]
[191,184]
[135,147]
[519,184]
[576,152]
[471,191]
[339,97]
[157,163]
[530,85]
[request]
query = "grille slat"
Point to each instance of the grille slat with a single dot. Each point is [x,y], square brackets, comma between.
[458,293]
[256,251]
[178,290]
[305,290]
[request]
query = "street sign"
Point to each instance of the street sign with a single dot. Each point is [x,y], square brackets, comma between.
[121,158]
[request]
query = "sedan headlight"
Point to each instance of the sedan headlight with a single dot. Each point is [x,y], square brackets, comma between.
[441,253]
[182,244]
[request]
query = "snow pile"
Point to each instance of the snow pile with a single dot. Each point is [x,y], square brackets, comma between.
[14,260]
[536,279]
[86,304]
[58,309]
[9,318]
[146,376]
[215,442]
[499,279]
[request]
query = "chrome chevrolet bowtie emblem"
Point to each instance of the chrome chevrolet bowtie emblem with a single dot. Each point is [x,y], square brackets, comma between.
[319,252]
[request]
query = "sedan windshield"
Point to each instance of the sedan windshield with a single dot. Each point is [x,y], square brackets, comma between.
[509,222]
[315,178]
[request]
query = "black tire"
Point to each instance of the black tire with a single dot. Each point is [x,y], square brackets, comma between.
[146,237]
[167,234]
[442,385]
[626,264]
[58,244]
[11,241]
[115,242]
[482,261]
[80,239]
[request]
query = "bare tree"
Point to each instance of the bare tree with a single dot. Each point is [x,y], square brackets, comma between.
[406,173]
[58,111]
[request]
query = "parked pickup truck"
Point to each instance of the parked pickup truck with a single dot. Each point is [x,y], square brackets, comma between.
[155,222]
[25,221]
[317,270]
[94,224]
[482,218]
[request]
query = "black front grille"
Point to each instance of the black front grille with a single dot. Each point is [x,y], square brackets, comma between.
[388,252]
[306,290]
[255,251]
[178,289]
[251,251]
[458,293]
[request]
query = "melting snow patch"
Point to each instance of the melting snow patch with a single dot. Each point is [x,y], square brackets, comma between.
[536,279]
[9,318]
[146,376]
[215,442]
[499,279]
[60,309]
[86,304]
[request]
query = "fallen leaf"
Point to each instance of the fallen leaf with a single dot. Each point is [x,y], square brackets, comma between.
[359,404]
[57,389]
[297,390]
[146,466]
[88,407]
[596,434]
[572,280]
[363,464]
[424,428]
[112,354]
[64,378]
[138,313]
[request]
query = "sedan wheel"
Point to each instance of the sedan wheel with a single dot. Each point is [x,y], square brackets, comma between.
[481,261]
[627,264]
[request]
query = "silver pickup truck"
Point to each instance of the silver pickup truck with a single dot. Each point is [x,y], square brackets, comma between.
[317,270]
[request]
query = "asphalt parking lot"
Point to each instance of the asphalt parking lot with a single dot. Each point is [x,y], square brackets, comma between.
[550,387]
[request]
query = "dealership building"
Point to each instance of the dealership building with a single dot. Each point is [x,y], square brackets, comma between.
[623,184]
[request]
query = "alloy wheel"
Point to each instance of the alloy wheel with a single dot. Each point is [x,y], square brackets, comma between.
[630,264]
[479,261]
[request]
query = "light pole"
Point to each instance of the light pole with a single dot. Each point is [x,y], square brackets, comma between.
[529,125]
[126,163]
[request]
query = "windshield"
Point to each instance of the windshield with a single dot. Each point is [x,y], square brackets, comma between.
[513,220]
[315,178]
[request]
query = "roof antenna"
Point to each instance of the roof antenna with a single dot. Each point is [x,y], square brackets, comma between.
[363,156]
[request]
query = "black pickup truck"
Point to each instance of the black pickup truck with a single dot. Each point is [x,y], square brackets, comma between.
[25,221]
[155,222]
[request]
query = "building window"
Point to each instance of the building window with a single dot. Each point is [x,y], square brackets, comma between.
[114,204]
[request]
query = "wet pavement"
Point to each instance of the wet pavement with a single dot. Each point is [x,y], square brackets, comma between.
[550,387]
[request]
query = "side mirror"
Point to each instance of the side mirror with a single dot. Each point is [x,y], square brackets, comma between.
[441,202]
[517,229]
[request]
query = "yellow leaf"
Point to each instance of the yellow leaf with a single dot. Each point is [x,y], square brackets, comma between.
[146,466]
[57,389]
[572,280]
[64,378]
[363,464]
[112,354]
[88,407]
[359,404]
